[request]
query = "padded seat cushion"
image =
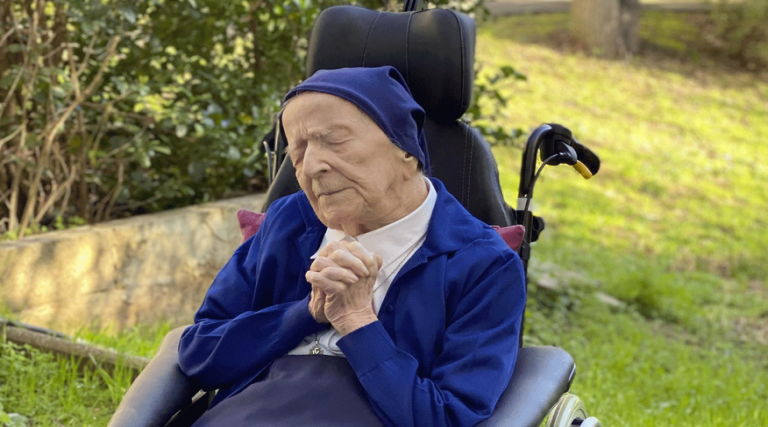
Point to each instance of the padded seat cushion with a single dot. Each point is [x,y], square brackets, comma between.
[541,376]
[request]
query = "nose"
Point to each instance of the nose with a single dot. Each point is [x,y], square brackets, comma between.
[315,160]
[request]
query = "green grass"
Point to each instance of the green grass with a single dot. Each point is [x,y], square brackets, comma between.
[673,225]
[632,372]
[54,391]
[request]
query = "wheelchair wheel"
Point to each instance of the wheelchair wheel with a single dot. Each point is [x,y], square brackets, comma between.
[591,422]
[570,411]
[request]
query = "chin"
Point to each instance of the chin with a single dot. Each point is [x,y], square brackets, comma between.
[335,219]
[329,219]
[334,213]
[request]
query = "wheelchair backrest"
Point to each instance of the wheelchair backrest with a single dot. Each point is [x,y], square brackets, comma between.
[434,50]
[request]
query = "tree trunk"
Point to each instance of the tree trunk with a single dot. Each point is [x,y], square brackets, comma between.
[607,27]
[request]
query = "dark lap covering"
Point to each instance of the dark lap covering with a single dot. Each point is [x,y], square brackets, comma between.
[298,391]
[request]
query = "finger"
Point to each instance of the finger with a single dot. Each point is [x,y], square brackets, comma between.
[322,262]
[330,247]
[317,305]
[317,296]
[367,258]
[339,274]
[357,268]
[337,252]
[344,258]
[328,286]
[314,299]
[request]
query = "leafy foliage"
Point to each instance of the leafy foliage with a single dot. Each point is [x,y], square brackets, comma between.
[485,113]
[118,107]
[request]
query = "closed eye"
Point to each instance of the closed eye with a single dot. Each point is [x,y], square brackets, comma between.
[295,151]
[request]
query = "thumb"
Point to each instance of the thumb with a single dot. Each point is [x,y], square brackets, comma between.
[379,261]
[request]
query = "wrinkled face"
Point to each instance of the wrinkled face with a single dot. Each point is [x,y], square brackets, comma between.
[350,171]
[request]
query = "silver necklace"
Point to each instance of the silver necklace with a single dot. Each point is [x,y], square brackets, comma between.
[407,256]
[316,349]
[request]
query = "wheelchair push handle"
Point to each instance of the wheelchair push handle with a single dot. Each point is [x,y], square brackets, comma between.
[555,145]
[560,141]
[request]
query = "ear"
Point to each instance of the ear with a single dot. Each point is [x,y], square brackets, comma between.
[410,165]
[411,162]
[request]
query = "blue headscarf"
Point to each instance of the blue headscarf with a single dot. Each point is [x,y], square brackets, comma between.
[383,95]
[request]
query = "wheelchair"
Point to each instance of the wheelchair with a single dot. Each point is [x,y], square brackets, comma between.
[434,50]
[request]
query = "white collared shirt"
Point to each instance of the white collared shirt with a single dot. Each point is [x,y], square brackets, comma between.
[396,243]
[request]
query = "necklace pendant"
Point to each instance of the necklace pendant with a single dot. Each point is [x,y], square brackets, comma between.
[316,350]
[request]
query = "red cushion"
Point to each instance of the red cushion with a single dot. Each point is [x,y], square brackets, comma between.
[512,234]
[251,221]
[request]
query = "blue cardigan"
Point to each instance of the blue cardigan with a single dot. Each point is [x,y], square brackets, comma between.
[440,354]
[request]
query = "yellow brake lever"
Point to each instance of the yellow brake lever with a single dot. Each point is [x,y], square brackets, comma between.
[582,170]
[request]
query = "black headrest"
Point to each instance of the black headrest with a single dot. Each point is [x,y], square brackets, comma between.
[433,49]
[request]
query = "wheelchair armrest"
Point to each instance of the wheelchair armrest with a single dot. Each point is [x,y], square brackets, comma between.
[159,391]
[541,376]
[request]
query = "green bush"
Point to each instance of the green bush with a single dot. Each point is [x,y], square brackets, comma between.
[119,107]
[740,32]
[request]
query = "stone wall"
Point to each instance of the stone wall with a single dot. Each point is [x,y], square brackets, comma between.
[119,273]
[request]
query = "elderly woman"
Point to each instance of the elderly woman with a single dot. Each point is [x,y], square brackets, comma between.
[369,298]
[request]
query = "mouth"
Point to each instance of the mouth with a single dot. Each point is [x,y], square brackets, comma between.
[329,193]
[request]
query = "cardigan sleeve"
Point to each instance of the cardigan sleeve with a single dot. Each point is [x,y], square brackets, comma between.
[236,334]
[478,354]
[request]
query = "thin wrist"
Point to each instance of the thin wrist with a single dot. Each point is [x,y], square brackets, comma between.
[354,321]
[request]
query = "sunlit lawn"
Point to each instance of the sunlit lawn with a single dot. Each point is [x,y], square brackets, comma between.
[674,224]
[53,392]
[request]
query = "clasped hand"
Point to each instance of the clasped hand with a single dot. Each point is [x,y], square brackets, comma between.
[342,278]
